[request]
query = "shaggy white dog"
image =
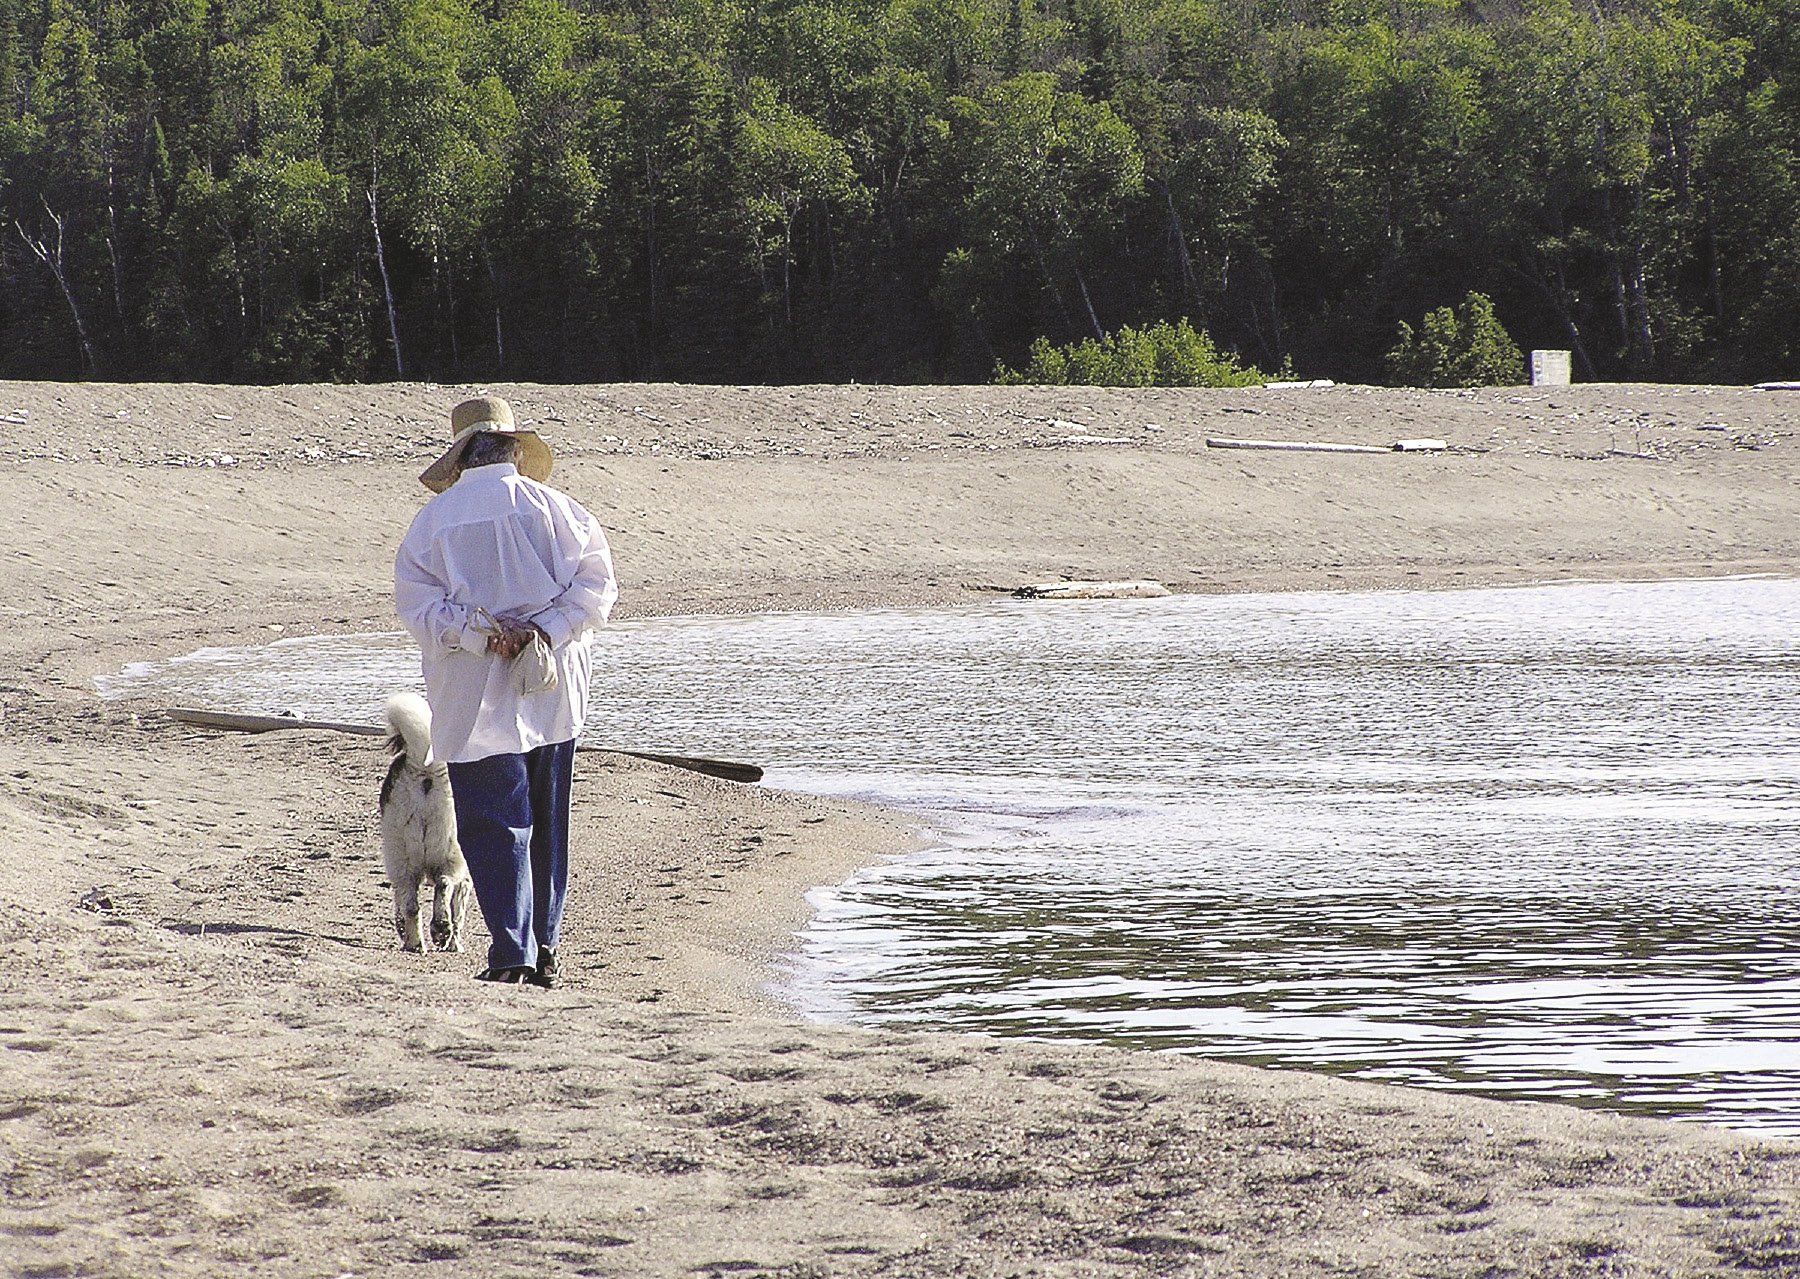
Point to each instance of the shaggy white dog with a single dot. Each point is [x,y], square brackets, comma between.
[418,831]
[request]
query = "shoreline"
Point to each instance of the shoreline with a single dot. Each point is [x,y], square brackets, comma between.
[915,830]
[218,1056]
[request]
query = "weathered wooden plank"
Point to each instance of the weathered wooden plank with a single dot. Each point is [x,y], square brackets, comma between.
[729,770]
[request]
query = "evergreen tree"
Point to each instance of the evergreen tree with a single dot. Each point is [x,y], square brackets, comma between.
[1461,346]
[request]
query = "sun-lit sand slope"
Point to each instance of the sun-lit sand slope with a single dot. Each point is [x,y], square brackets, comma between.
[213,1054]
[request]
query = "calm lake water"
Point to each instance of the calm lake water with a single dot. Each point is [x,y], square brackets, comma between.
[1538,842]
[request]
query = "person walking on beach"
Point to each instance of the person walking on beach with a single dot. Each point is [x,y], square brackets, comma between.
[501,580]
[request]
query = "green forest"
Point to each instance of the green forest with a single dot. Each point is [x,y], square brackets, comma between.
[888,190]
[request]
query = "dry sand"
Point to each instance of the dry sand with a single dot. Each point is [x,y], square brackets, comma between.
[215,1058]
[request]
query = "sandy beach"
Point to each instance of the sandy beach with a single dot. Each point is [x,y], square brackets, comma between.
[214,1057]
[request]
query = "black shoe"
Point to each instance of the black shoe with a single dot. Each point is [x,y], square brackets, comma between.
[518,975]
[546,974]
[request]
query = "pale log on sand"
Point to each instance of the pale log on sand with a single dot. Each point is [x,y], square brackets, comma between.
[1315,446]
[1092,591]
[723,768]
[1292,446]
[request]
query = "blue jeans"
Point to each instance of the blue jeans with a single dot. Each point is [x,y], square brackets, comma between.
[512,818]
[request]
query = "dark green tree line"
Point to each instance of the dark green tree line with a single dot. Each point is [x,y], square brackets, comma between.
[719,190]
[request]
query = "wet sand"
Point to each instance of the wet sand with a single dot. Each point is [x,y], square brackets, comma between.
[215,1055]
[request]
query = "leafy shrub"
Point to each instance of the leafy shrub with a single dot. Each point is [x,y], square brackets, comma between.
[1163,354]
[1462,347]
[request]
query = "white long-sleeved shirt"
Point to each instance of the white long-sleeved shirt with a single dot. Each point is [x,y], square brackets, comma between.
[497,541]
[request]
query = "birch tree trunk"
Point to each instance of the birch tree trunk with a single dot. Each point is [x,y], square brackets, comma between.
[387,285]
[52,258]
[1088,302]
[450,319]
[487,259]
[1183,258]
[1642,334]
[112,246]
[1037,249]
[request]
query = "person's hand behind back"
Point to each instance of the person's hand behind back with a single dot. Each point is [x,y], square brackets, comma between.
[512,639]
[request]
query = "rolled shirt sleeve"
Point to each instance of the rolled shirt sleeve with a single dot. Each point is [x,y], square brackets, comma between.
[587,601]
[431,617]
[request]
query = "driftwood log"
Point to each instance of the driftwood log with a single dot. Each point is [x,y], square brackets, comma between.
[1319,446]
[1092,591]
[1291,446]
[722,768]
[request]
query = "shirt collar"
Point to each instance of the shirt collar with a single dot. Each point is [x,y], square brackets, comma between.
[500,470]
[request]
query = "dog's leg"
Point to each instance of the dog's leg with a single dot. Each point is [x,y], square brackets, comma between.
[462,890]
[406,914]
[442,928]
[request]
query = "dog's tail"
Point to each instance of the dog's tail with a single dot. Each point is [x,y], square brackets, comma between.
[409,727]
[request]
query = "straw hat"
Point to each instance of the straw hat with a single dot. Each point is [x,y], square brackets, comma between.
[471,418]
